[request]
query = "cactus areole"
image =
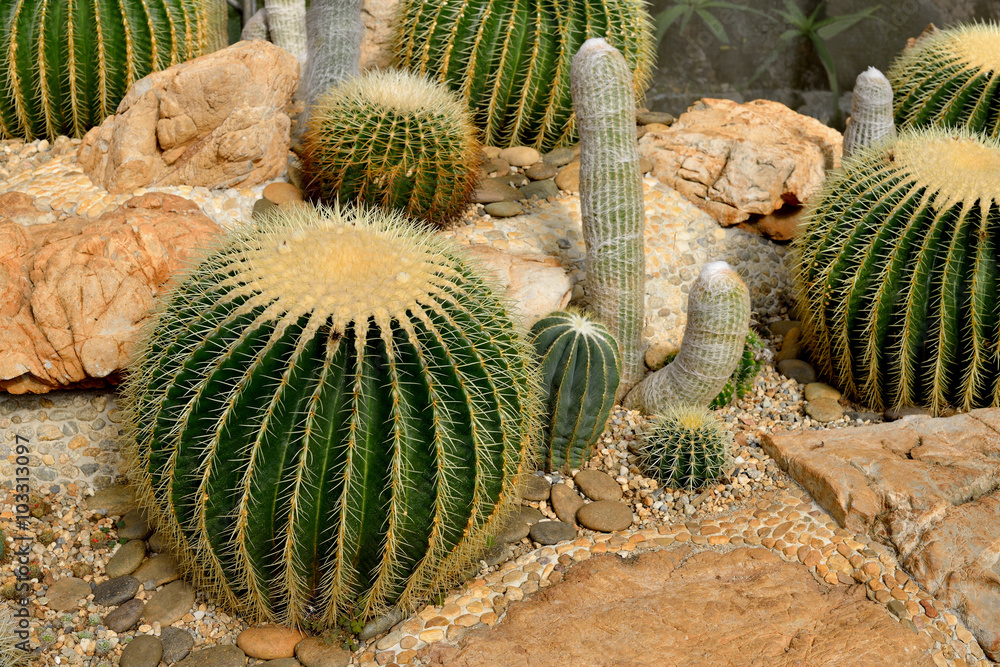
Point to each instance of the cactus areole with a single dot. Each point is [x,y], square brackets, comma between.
[329,414]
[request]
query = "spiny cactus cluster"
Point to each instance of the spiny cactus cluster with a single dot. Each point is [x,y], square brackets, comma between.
[871,112]
[330,413]
[396,140]
[950,78]
[511,61]
[898,275]
[685,448]
[580,375]
[65,66]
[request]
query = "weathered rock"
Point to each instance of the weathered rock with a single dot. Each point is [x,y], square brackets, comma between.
[269,642]
[112,501]
[216,656]
[605,516]
[656,355]
[737,160]
[74,294]
[124,617]
[649,117]
[536,487]
[782,224]
[177,644]
[217,121]
[893,414]
[169,603]
[552,532]
[126,559]
[536,284]
[598,485]
[706,610]
[66,593]
[142,651]
[161,569]
[928,487]
[565,502]
[376,44]
[19,208]
[314,652]
[116,591]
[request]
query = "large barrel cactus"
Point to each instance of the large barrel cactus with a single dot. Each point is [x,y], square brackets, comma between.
[898,273]
[65,66]
[580,373]
[511,60]
[330,413]
[950,78]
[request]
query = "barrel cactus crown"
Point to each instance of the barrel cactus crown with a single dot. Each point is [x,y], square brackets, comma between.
[510,61]
[65,66]
[396,140]
[897,272]
[580,373]
[685,448]
[330,413]
[950,78]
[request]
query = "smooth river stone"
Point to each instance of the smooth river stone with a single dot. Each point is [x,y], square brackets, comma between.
[217,656]
[597,485]
[536,488]
[160,570]
[552,532]
[66,594]
[605,516]
[520,156]
[269,642]
[135,526]
[314,652]
[797,370]
[169,604]
[113,501]
[142,651]
[115,591]
[565,502]
[126,559]
[177,644]
[124,617]
[824,409]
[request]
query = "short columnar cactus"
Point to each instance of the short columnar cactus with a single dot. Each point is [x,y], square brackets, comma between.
[394,139]
[685,448]
[741,381]
[950,78]
[334,31]
[511,60]
[329,414]
[718,319]
[611,199]
[256,27]
[64,67]
[871,112]
[286,24]
[897,273]
[580,374]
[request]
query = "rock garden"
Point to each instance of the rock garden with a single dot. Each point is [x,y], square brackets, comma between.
[405,333]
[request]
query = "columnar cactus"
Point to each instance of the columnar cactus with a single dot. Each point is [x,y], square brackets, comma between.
[256,27]
[897,273]
[511,61]
[329,414]
[64,67]
[334,31]
[286,23]
[580,375]
[685,448]
[611,199]
[741,381]
[950,79]
[394,139]
[871,112]
[718,318]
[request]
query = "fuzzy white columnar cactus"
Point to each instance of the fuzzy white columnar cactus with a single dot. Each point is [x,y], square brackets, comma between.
[334,36]
[286,23]
[871,112]
[718,319]
[256,27]
[611,202]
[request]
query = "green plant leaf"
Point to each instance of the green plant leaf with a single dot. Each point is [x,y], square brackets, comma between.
[835,25]
[714,25]
[667,18]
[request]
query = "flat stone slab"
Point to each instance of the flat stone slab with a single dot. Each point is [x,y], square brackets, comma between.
[928,487]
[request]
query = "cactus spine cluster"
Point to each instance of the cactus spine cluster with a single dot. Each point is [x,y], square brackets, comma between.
[394,139]
[333,34]
[65,66]
[685,448]
[580,375]
[950,78]
[897,273]
[718,319]
[611,199]
[871,112]
[330,413]
[511,61]
[10,654]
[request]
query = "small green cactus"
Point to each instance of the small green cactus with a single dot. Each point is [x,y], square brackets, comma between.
[685,448]
[871,112]
[580,375]
[396,140]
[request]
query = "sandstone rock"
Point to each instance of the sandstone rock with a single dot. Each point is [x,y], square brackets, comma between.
[655,356]
[709,609]
[737,160]
[74,294]
[782,224]
[930,488]
[536,284]
[20,208]
[216,121]
[66,593]
[269,642]
[376,44]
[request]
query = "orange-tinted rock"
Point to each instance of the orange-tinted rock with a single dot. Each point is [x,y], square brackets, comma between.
[269,642]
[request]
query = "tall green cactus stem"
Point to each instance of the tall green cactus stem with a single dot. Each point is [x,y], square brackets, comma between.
[950,78]
[330,413]
[394,139]
[580,375]
[334,41]
[10,654]
[65,66]
[718,318]
[286,23]
[897,273]
[685,448]
[871,112]
[511,61]
[611,199]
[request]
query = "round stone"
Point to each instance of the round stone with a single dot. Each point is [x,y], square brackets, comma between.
[541,171]
[67,593]
[816,390]
[782,327]
[645,166]
[605,516]
[314,652]
[169,604]
[520,156]
[124,617]
[126,559]
[568,178]
[134,526]
[514,530]
[269,642]
[112,501]
[142,651]
[282,662]
[280,193]
[560,156]
[115,591]
[565,502]
[552,532]
[497,166]
[824,410]
[529,515]
[798,370]
[217,656]
[177,644]
[156,544]
[598,485]
[536,488]
[262,207]
[160,570]
[495,189]
[540,189]
[892,414]
[504,209]
[491,152]
[649,117]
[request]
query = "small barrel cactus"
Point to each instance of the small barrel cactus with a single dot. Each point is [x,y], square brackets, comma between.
[580,374]
[950,78]
[329,415]
[871,112]
[897,273]
[686,448]
[396,140]
[718,319]
[510,61]
[64,68]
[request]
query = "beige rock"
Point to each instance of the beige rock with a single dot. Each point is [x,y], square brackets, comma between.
[738,160]
[20,208]
[268,642]
[537,284]
[217,121]
[376,45]
[74,294]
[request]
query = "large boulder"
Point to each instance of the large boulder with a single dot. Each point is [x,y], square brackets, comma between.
[74,294]
[535,285]
[928,487]
[735,161]
[217,121]
[376,45]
